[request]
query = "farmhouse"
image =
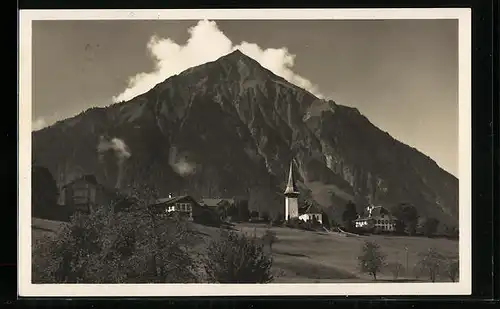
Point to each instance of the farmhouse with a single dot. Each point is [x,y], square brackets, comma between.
[311,212]
[219,205]
[376,218]
[216,202]
[85,194]
[185,206]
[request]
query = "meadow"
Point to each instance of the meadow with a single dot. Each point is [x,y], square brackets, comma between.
[312,257]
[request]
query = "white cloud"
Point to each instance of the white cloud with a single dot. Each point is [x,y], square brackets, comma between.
[38,124]
[207,43]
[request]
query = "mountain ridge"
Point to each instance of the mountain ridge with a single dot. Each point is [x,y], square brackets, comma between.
[256,122]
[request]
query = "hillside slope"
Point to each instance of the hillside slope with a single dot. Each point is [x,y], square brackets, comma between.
[230,128]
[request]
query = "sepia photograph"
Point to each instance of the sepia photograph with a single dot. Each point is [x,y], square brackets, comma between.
[244,152]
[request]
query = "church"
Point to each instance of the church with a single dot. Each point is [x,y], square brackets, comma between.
[292,207]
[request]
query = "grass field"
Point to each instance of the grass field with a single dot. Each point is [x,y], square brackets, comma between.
[304,256]
[309,257]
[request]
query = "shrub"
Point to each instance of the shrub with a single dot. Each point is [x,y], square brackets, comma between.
[238,258]
[269,238]
[371,260]
[349,215]
[452,269]
[430,227]
[395,268]
[431,262]
[126,247]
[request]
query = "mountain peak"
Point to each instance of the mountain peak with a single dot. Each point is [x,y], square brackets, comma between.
[237,55]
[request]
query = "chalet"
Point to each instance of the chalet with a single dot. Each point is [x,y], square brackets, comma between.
[311,212]
[219,205]
[376,218]
[85,194]
[185,206]
[216,202]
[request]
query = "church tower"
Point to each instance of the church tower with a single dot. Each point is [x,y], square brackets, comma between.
[291,197]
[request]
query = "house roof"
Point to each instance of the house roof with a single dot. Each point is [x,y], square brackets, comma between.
[377,211]
[91,179]
[214,202]
[87,178]
[175,199]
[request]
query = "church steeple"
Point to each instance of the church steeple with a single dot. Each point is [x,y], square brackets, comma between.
[291,187]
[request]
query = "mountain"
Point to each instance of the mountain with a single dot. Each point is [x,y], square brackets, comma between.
[231,128]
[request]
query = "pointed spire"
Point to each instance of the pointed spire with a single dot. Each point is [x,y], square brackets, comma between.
[291,187]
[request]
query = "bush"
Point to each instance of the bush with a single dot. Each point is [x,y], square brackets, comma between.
[371,260]
[269,238]
[430,227]
[126,247]
[238,258]
[431,262]
[395,268]
[452,269]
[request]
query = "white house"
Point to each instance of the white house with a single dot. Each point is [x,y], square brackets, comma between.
[311,212]
[376,218]
[184,205]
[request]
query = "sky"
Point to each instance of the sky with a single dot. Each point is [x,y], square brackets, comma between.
[401,74]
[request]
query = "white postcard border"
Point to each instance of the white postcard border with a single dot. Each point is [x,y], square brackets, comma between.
[26,288]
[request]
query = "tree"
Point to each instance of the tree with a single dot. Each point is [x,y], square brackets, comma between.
[395,268]
[279,218]
[326,221]
[430,226]
[349,215]
[452,269]
[124,247]
[265,216]
[430,262]
[223,209]
[242,210]
[44,191]
[451,232]
[238,258]
[254,214]
[232,212]
[409,215]
[371,260]
[399,226]
[269,238]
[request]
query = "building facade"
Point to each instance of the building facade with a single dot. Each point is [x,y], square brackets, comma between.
[219,205]
[376,218]
[311,213]
[183,205]
[85,194]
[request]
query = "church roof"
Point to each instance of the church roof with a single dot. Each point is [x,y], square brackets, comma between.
[291,187]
